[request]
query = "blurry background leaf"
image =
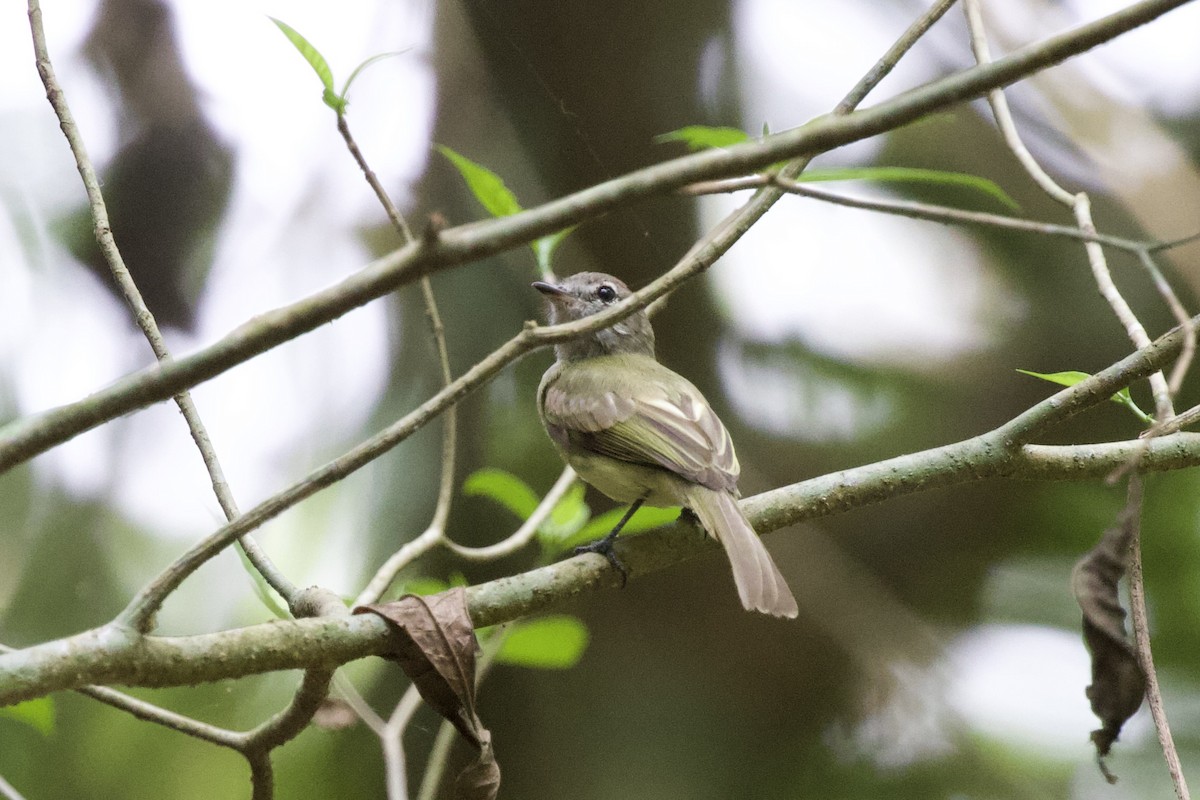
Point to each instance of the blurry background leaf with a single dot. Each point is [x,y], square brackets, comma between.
[647,518]
[931,177]
[555,642]
[702,137]
[505,488]
[37,714]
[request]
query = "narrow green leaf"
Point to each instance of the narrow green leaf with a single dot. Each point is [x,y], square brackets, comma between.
[543,250]
[702,137]
[370,61]
[486,185]
[316,61]
[909,175]
[1068,378]
[1072,377]
[555,642]
[37,714]
[505,488]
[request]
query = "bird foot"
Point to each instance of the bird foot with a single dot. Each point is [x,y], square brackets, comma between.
[605,548]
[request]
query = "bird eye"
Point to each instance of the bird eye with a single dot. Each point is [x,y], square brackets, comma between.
[606,293]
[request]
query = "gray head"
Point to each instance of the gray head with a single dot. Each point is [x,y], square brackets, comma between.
[587,293]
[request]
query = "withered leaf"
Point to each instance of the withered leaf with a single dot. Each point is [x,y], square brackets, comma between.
[435,646]
[436,649]
[480,780]
[1118,684]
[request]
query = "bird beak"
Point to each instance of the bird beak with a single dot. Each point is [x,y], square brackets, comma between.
[549,289]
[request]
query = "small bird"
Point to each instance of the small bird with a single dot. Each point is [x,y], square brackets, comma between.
[641,433]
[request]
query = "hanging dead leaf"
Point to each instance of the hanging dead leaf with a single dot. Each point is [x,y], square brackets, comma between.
[436,649]
[435,646]
[480,780]
[1118,684]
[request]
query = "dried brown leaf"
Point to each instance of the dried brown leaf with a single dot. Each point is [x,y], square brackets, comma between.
[1118,684]
[436,649]
[435,645]
[479,780]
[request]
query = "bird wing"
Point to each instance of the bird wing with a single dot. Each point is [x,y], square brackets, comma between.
[634,409]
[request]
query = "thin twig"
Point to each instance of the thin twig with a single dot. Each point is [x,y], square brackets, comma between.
[1141,636]
[358,704]
[436,530]
[1184,362]
[1177,423]
[916,210]
[8,791]
[392,740]
[524,534]
[133,297]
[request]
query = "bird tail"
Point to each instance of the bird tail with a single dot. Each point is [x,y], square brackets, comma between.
[760,585]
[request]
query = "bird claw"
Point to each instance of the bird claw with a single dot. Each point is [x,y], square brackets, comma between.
[605,548]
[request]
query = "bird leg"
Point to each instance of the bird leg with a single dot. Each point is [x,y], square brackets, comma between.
[605,546]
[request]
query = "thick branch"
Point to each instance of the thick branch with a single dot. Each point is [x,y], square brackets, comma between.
[108,656]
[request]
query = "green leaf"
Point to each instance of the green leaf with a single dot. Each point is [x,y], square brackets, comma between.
[571,514]
[359,69]
[543,250]
[1068,378]
[1072,377]
[702,137]
[37,714]
[554,642]
[317,62]
[933,177]
[647,518]
[486,185]
[424,585]
[505,488]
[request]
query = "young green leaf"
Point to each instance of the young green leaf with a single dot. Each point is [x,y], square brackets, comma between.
[1072,377]
[370,61]
[37,714]
[702,137]
[555,642]
[505,488]
[487,186]
[317,62]
[543,250]
[909,175]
